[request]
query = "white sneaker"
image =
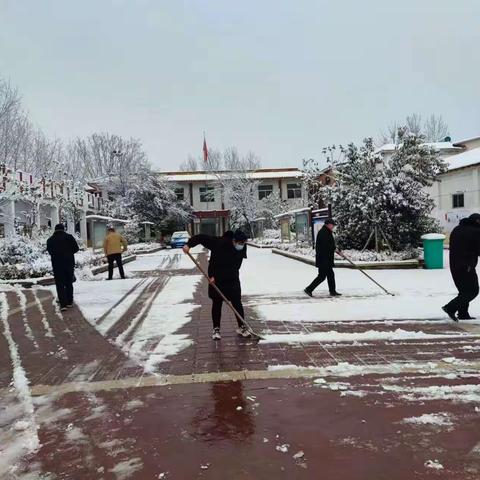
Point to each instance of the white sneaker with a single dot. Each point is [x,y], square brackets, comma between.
[216,334]
[243,332]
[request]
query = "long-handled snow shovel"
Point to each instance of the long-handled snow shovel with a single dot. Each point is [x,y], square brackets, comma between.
[226,300]
[366,274]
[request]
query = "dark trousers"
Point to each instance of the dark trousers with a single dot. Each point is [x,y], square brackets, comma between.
[466,281]
[234,294]
[324,273]
[115,257]
[64,282]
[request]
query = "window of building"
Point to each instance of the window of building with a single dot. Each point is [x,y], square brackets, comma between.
[294,190]
[180,193]
[207,194]
[264,191]
[458,200]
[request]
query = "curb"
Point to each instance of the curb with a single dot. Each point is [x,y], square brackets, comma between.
[256,245]
[398,265]
[146,252]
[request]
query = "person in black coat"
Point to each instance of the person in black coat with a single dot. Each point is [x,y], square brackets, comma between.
[464,252]
[324,259]
[227,255]
[62,247]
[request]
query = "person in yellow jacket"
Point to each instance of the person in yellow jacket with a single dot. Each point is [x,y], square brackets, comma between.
[113,246]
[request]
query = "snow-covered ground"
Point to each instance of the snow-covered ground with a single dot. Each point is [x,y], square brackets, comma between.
[163,306]
[274,286]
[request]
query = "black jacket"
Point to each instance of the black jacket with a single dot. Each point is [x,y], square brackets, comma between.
[465,245]
[62,246]
[324,248]
[225,259]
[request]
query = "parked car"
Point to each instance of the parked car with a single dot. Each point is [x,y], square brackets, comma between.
[179,239]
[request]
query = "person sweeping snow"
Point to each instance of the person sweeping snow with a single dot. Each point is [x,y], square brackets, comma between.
[464,252]
[324,259]
[227,255]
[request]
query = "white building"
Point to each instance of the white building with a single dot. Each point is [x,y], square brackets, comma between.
[29,204]
[457,192]
[211,214]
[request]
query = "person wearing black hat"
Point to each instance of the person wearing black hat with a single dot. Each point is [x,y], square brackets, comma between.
[324,259]
[464,251]
[227,254]
[62,247]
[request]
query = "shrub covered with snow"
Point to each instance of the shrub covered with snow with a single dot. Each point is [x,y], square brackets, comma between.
[354,255]
[21,249]
[23,257]
[389,197]
[140,247]
[272,234]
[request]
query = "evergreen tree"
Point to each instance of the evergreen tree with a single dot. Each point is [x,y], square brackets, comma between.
[389,198]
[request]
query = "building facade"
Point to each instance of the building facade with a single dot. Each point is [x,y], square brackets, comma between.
[457,192]
[29,205]
[211,212]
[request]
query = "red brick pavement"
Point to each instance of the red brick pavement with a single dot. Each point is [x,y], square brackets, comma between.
[219,430]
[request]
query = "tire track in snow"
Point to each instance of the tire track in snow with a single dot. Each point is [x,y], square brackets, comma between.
[120,301]
[125,321]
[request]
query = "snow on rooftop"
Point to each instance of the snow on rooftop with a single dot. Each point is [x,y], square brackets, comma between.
[465,159]
[205,176]
[108,219]
[391,147]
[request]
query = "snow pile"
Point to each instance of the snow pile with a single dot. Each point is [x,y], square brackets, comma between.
[270,237]
[440,419]
[141,247]
[127,468]
[297,248]
[466,393]
[434,464]
[333,336]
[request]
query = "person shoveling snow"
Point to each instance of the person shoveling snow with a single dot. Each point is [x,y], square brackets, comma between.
[227,255]
[324,259]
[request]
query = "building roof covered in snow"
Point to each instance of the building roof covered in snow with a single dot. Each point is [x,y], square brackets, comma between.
[444,147]
[260,174]
[463,160]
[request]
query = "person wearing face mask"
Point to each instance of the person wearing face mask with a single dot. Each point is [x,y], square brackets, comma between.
[227,254]
[324,259]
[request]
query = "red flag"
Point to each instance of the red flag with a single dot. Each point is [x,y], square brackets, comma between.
[205,150]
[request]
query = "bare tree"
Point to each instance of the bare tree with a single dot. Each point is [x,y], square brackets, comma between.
[189,165]
[414,124]
[214,163]
[435,128]
[239,187]
[108,159]
[9,100]
[432,130]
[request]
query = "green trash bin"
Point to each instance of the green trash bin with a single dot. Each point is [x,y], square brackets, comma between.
[433,250]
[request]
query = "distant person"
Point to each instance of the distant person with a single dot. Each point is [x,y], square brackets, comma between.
[62,247]
[324,259]
[464,252]
[113,246]
[228,253]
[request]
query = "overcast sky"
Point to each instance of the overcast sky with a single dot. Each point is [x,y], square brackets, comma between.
[280,78]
